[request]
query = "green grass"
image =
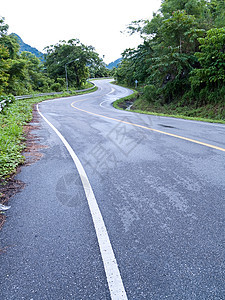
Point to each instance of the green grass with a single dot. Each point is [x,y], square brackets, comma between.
[208,113]
[12,138]
[119,103]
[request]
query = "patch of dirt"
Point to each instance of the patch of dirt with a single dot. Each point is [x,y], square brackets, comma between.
[32,154]
[32,151]
[126,104]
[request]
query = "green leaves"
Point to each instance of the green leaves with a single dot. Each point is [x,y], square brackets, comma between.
[77,58]
[184,50]
[175,29]
[212,60]
[17,72]
[11,136]
[25,74]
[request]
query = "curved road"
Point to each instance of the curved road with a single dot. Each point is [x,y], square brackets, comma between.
[120,206]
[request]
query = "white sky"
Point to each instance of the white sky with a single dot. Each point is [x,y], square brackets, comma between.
[98,23]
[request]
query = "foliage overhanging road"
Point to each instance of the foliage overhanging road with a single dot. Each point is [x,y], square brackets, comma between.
[161,197]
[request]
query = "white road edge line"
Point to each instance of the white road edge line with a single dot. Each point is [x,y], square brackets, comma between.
[115,283]
[112,90]
[103,102]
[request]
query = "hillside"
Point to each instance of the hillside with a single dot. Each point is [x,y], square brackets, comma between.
[114,64]
[26,47]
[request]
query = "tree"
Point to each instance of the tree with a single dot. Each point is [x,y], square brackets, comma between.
[74,56]
[19,73]
[35,75]
[8,52]
[4,67]
[3,27]
[135,64]
[174,55]
[170,40]
[25,73]
[125,72]
[211,57]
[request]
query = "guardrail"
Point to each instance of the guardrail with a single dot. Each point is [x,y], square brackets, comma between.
[4,103]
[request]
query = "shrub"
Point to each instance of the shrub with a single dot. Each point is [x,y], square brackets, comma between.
[56,87]
[151,93]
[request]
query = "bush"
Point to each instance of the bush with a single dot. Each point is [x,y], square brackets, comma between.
[62,82]
[151,93]
[56,87]
[9,98]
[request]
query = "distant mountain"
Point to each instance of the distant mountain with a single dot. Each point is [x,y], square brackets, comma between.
[114,64]
[26,47]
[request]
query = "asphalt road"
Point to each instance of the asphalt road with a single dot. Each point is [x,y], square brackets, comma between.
[159,184]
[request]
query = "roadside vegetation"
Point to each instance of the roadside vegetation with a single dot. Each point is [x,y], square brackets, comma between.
[180,66]
[139,104]
[22,73]
[12,137]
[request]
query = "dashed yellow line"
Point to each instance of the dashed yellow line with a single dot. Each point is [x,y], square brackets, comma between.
[148,128]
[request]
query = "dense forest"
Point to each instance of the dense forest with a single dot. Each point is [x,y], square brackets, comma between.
[182,58]
[24,73]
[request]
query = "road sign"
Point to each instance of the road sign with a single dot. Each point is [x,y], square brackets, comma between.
[136,82]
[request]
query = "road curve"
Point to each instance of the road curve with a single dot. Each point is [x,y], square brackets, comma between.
[159,186]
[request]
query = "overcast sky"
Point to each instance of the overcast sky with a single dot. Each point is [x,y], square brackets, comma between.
[98,23]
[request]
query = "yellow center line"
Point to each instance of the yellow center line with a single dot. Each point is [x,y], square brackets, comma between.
[148,128]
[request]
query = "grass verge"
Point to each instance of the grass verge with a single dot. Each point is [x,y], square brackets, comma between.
[12,137]
[207,113]
[123,103]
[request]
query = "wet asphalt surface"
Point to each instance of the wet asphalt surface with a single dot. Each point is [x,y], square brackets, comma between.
[162,200]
